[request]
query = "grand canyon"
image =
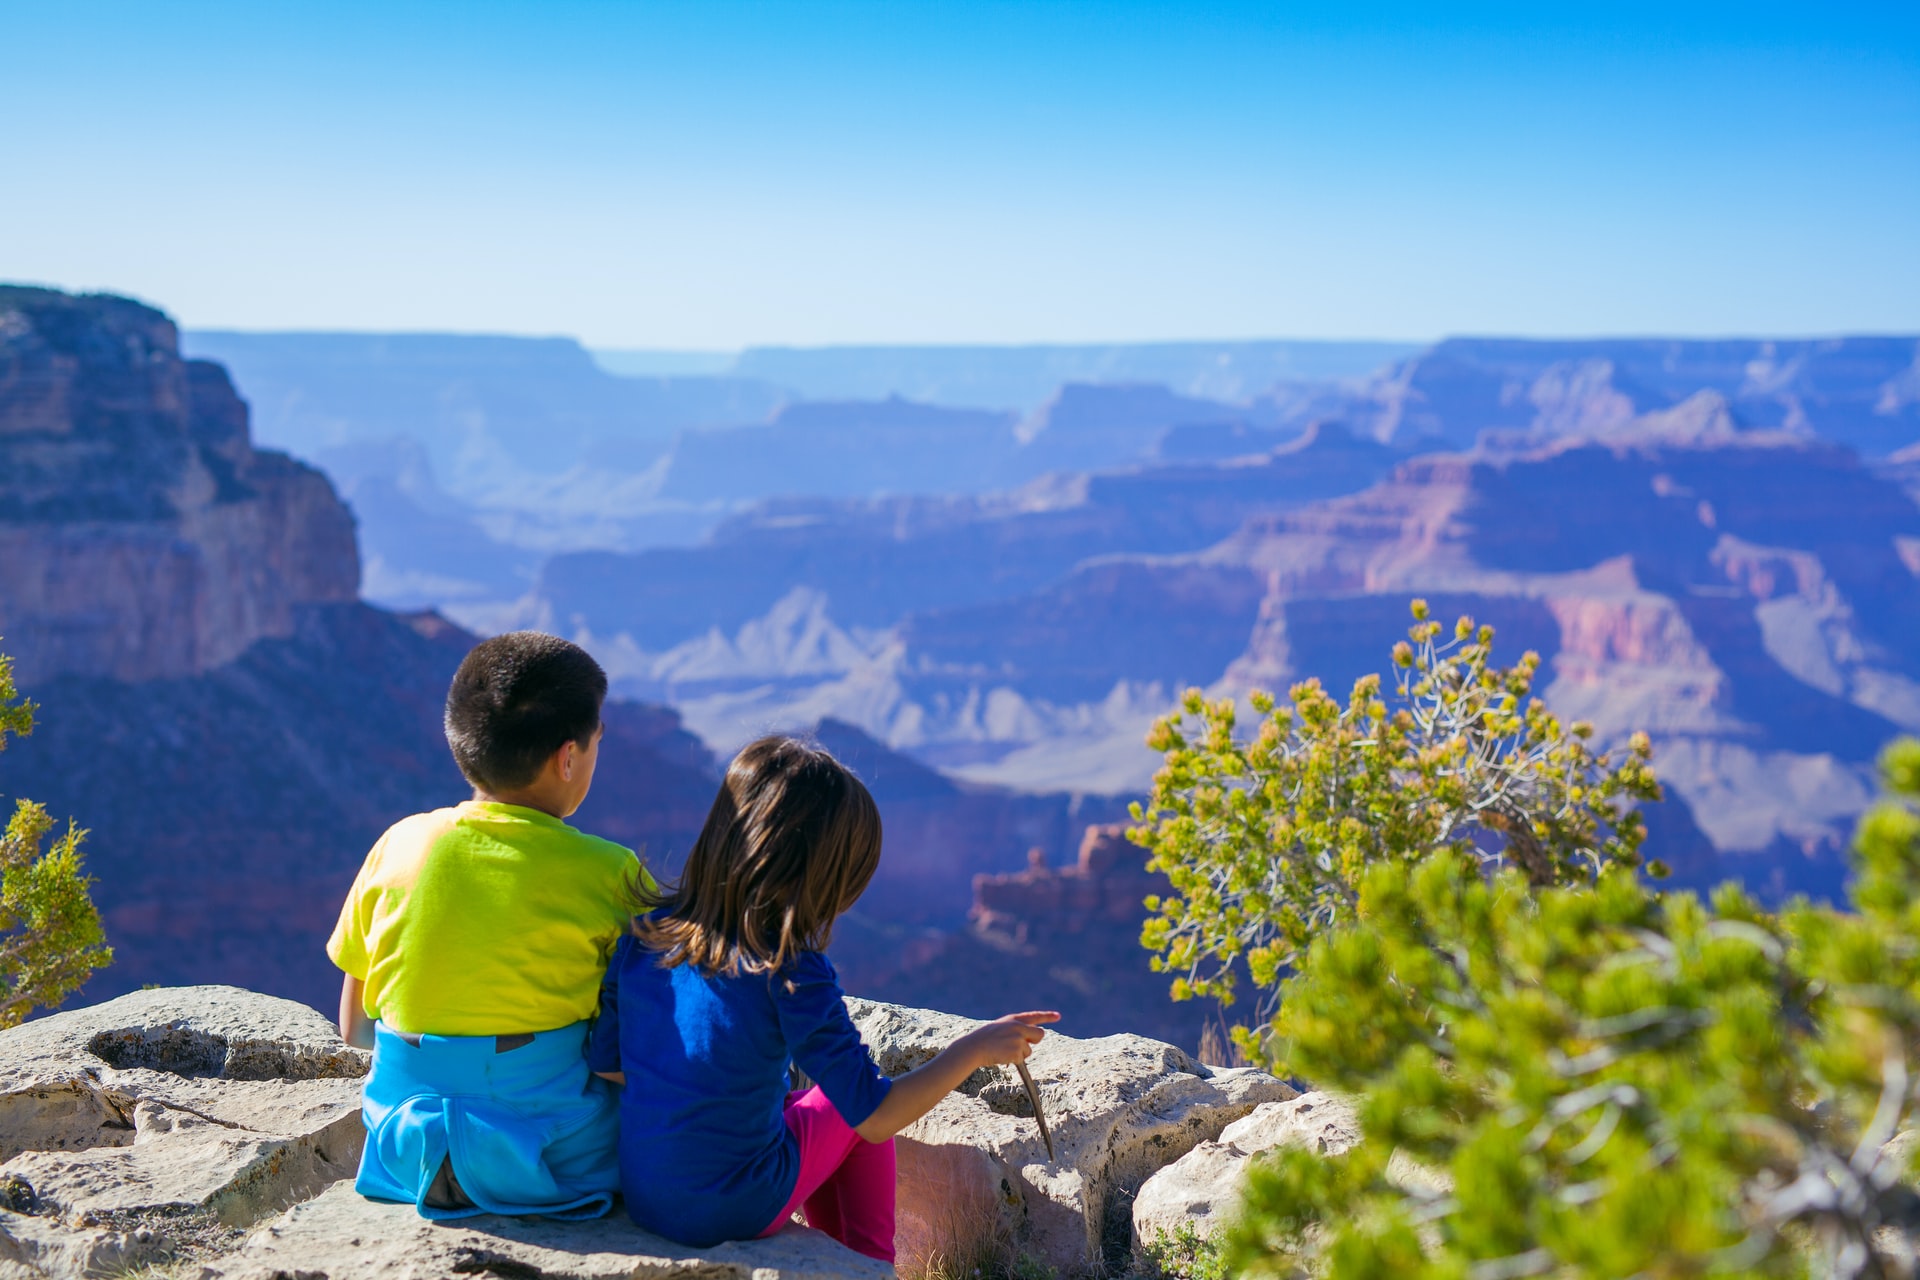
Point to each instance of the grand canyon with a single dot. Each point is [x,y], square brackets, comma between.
[976,574]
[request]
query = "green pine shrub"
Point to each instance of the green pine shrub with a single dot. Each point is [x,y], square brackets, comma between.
[1611,1082]
[51,940]
[1184,1254]
[1266,841]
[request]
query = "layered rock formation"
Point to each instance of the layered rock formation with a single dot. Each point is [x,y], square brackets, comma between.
[1746,595]
[141,534]
[1670,532]
[1747,605]
[217,1126]
[519,447]
[933,623]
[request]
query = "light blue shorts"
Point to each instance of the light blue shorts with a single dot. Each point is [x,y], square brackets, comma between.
[529,1128]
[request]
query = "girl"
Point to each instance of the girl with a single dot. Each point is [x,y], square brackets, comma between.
[722,985]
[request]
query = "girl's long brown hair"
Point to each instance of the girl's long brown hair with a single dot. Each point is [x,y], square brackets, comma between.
[791,842]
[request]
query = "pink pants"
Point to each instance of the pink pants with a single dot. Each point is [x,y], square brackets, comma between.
[845,1182]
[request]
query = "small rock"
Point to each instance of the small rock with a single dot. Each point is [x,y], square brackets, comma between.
[1203,1187]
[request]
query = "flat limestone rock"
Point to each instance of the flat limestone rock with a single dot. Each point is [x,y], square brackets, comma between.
[342,1236]
[975,1180]
[211,1031]
[167,1115]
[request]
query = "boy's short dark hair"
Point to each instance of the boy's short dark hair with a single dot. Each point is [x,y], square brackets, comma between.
[515,700]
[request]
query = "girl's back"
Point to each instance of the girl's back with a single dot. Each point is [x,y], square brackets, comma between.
[706,1152]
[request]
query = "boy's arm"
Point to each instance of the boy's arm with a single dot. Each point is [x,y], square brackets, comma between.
[347,948]
[356,1028]
[603,1039]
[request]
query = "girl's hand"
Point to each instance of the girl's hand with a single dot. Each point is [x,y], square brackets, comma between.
[1008,1039]
[914,1094]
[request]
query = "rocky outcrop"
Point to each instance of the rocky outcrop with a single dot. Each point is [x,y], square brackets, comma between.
[141,534]
[1107,883]
[216,1124]
[1201,1192]
[975,1179]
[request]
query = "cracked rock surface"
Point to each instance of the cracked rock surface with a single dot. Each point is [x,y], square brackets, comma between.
[166,1118]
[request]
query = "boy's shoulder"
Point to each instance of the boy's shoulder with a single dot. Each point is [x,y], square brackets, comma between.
[606,857]
[615,855]
[432,823]
[420,828]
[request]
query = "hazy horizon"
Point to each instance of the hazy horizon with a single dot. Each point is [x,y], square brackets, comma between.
[1341,339]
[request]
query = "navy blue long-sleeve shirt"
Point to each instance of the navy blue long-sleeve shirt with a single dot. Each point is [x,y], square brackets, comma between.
[705,1153]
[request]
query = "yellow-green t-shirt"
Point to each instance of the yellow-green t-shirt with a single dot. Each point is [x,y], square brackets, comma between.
[485,919]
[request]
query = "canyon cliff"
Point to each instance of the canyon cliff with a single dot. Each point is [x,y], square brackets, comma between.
[141,534]
[1690,537]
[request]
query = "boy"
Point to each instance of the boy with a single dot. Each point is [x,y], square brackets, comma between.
[473,943]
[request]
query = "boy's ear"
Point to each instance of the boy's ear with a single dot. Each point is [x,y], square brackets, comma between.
[567,752]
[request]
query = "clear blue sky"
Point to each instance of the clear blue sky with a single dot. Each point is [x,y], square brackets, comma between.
[708,174]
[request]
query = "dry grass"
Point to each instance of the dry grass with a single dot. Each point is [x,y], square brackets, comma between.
[965,1252]
[1217,1047]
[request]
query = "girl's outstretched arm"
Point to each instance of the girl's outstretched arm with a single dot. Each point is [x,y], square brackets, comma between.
[1009,1039]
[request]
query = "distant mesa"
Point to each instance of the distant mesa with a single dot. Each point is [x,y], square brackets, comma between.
[1020,379]
[1854,391]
